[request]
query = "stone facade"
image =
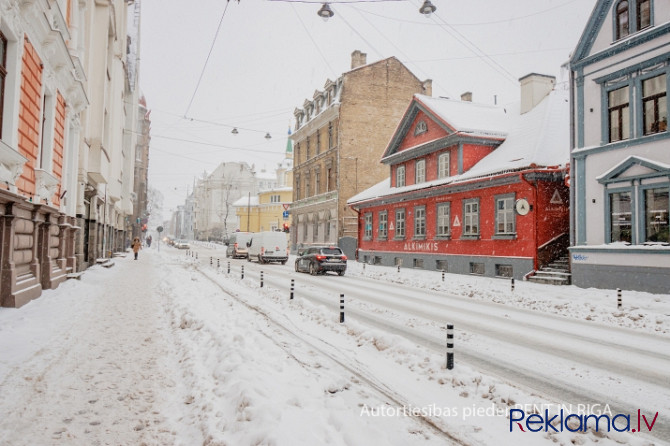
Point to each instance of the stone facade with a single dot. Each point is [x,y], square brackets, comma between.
[65,165]
[339,137]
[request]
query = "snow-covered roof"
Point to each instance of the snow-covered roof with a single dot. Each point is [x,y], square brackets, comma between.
[538,138]
[246,201]
[469,117]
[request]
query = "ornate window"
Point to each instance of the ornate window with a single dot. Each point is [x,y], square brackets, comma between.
[421,127]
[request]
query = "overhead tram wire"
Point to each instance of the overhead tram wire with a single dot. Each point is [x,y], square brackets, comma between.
[398,49]
[492,22]
[470,45]
[211,48]
[325,59]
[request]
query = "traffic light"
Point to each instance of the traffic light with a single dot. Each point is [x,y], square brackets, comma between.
[286,228]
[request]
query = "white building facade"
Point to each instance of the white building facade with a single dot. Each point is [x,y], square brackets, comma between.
[620,164]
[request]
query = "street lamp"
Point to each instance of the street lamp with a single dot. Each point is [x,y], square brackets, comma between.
[427,8]
[325,12]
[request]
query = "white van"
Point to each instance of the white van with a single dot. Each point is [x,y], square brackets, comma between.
[268,246]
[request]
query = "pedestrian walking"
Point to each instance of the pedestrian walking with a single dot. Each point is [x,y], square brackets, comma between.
[148,240]
[137,245]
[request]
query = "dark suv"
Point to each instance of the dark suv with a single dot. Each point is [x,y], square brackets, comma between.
[319,259]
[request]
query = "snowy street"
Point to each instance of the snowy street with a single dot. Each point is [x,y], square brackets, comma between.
[171,350]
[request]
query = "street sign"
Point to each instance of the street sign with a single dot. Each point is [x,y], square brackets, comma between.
[285,215]
[159,229]
[286,206]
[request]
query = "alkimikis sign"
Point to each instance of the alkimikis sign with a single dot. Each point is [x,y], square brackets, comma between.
[573,422]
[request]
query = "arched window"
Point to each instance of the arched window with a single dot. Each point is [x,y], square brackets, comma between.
[643,14]
[622,22]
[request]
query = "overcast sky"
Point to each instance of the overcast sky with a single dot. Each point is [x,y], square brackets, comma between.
[269,56]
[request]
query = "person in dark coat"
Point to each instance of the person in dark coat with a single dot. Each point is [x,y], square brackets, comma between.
[137,245]
[148,240]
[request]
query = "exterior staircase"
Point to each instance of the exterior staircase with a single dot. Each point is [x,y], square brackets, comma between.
[555,273]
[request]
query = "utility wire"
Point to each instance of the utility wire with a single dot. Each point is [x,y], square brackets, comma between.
[493,22]
[211,48]
[313,41]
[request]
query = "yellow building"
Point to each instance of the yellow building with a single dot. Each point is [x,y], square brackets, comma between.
[264,212]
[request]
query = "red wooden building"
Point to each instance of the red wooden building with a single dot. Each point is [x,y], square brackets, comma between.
[474,189]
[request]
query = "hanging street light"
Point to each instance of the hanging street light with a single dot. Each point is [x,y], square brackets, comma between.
[267,135]
[234,131]
[325,12]
[427,8]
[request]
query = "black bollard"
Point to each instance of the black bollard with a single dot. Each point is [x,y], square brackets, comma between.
[450,346]
[512,283]
[619,299]
[341,308]
[261,279]
[242,272]
[229,267]
[292,287]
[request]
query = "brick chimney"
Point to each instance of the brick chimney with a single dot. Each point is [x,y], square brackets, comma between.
[467,96]
[358,59]
[534,88]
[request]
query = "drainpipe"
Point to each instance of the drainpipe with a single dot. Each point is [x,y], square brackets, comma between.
[534,205]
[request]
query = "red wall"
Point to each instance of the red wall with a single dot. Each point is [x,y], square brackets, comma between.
[434,132]
[543,223]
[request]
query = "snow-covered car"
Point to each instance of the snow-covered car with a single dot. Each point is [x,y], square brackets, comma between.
[182,244]
[320,259]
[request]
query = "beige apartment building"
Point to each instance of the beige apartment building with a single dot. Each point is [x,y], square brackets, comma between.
[340,134]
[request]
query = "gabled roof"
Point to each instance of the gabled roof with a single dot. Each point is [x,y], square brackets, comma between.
[537,139]
[593,26]
[467,118]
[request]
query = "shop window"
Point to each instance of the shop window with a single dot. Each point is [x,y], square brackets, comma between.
[621,217]
[656,214]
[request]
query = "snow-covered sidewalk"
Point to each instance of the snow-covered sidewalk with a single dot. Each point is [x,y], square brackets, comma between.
[88,363]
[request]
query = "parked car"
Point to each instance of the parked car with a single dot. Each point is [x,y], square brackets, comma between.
[236,246]
[182,244]
[319,259]
[268,246]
